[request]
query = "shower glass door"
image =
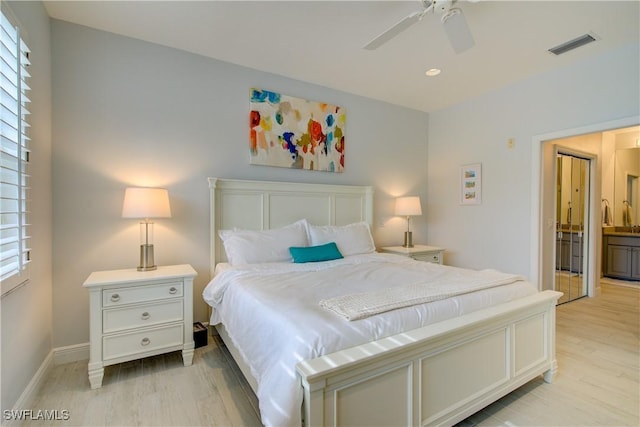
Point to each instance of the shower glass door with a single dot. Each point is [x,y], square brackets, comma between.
[572,214]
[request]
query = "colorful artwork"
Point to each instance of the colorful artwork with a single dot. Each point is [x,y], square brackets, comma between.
[295,133]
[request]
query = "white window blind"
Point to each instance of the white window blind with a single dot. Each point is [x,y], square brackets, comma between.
[14,157]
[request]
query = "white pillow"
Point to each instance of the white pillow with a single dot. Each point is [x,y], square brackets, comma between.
[248,246]
[351,239]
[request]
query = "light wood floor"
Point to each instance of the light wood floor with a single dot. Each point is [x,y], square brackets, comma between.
[598,353]
[598,384]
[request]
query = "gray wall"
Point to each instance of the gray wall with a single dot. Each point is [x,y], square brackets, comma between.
[497,233]
[26,311]
[127,112]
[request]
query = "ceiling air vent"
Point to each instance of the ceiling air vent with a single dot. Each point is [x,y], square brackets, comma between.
[573,44]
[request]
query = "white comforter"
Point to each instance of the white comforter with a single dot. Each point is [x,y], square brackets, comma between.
[272,314]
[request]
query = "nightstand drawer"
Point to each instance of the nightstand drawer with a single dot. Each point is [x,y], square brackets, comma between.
[130,295]
[127,344]
[118,319]
[435,258]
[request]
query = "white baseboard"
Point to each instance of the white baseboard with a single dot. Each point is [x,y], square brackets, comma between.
[56,356]
[25,401]
[71,353]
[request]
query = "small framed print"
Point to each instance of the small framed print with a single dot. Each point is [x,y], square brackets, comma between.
[471,184]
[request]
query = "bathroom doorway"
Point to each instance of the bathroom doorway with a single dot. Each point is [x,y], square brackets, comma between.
[597,142]
[572,218]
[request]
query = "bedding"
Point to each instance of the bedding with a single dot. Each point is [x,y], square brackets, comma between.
[273,316]
[249,246]
[351,239]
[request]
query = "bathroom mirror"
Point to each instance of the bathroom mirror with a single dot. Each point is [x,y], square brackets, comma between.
[572,215]
[626,204]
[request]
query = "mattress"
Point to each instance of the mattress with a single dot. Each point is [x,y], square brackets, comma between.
[272,314]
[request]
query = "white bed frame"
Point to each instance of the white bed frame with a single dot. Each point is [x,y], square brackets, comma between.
[435,375]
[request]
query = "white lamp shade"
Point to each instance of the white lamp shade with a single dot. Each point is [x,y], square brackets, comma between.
[408,206]
[141,202]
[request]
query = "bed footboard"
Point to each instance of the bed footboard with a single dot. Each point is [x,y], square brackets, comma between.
[435,375]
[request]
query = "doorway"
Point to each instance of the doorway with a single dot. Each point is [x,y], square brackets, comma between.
[543,195]
[572,218]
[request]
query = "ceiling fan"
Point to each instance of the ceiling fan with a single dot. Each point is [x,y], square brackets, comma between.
[452,18]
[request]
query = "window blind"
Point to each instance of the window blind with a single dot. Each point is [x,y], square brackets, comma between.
[14,157]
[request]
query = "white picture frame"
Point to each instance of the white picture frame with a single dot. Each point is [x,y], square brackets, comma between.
[471,184]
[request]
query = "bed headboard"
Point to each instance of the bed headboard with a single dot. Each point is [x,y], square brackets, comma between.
[262,205]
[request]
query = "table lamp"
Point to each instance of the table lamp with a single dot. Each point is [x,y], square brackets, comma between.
[146,203]
[408,206]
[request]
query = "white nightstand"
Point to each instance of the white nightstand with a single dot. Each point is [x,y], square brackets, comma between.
[418,252]
[135,314]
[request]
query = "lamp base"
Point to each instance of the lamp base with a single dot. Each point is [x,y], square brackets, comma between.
[146,258]
[408,239]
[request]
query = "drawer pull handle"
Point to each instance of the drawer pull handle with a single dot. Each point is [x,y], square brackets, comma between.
[145,341]
[173,290]
[115,297]
[145,315]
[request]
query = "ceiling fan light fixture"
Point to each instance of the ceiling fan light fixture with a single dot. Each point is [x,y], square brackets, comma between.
[443,6]
[432,72]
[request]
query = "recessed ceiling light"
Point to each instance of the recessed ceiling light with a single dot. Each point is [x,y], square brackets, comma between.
[432,72]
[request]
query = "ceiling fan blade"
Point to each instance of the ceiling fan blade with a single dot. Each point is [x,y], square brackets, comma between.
[402,25]
[457,30]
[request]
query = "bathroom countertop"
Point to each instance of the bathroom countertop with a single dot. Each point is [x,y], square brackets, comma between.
[611,231]
[621,233]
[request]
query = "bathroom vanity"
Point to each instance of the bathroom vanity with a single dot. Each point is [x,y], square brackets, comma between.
[621,253]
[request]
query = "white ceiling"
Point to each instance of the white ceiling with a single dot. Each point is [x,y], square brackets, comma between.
[321,41]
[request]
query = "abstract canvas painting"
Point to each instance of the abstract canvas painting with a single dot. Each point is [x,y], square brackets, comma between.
[295,133]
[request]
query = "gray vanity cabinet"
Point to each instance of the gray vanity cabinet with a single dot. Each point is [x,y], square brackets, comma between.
[622,257]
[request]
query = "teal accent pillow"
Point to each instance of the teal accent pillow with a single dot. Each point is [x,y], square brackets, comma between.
[325,252]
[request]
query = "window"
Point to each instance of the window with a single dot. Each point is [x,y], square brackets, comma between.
[14,157]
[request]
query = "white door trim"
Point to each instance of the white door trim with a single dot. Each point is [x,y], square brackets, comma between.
[537,225]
